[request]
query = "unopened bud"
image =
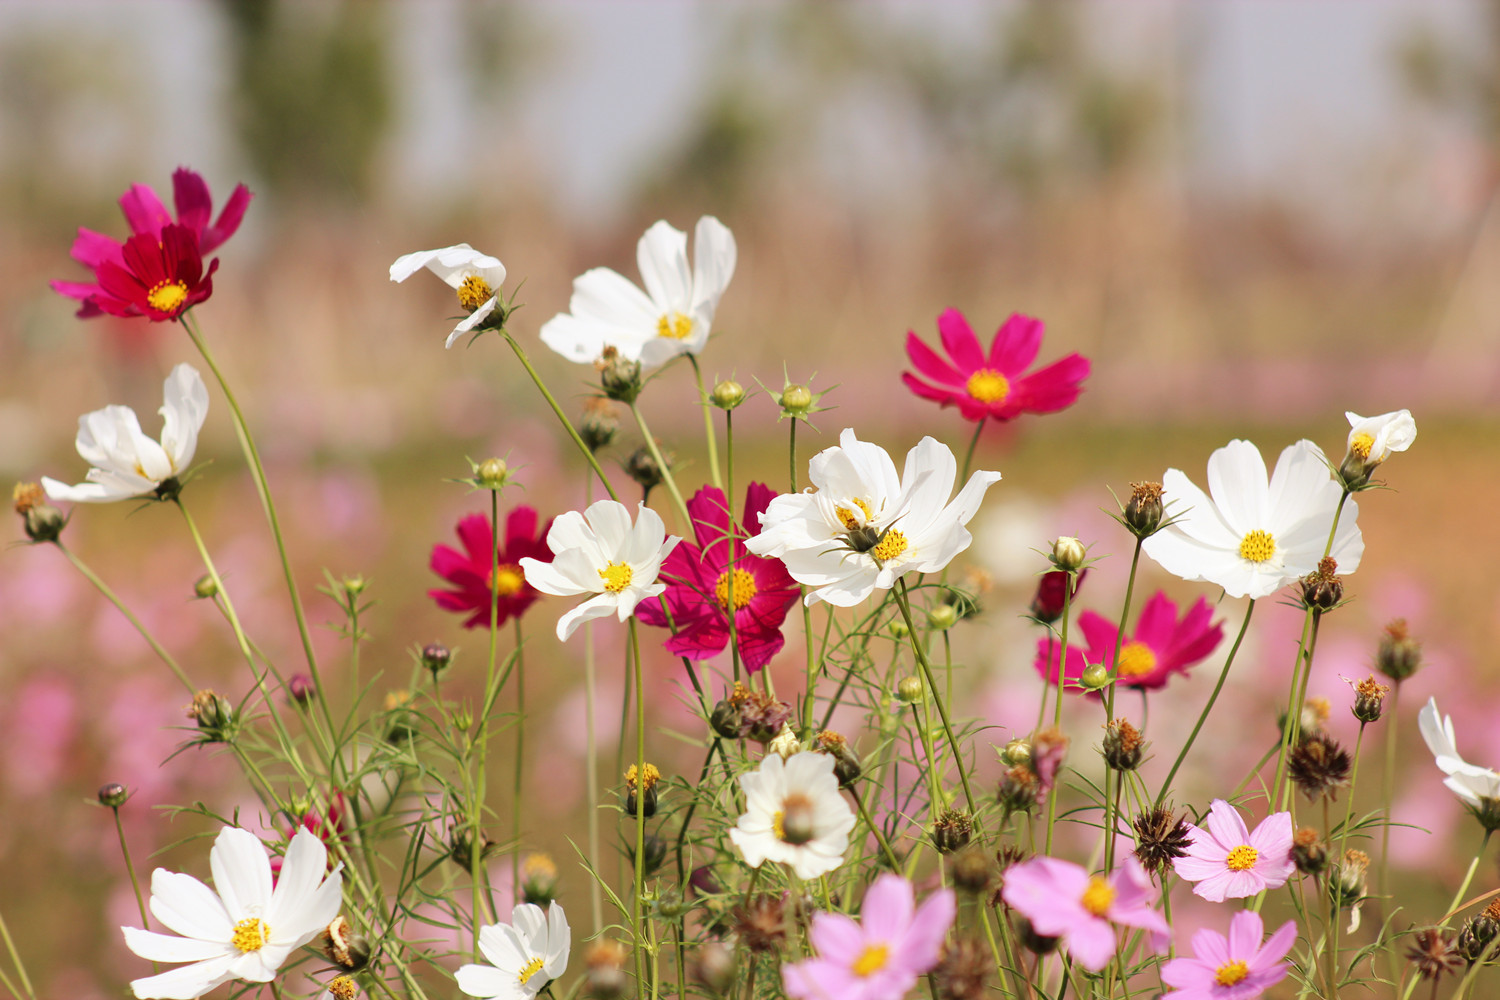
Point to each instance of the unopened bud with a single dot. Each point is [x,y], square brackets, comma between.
[910,690]
[1052,594]
[970,869]
[299,688]
[1123,746]
[643,468]
[353,585]
[214,715]
[113,795]
[1143,511]
[727,720]
[1475,937]
[728,394]
[1017,751]
[943,617]
[642,789]
[620,379]
[796,400]
[605,959]
[704,882]
[538,879]
[1309,852]
[436,657]
[491,474]
[461,848]
[1399,655]
[898,630]
[1094,677]
[205,587]
[1068,554]
[599,424]
[670,905]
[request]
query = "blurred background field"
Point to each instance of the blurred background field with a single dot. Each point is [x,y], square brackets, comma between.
[1251,215]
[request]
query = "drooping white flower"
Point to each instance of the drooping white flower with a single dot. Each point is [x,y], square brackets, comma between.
[475,276]
[671,317]
[1479,787]
[524,955]
[1373,439]
[601,552]
[126,463]
[1254,537]
[794,814]
[860,526]
[242,928]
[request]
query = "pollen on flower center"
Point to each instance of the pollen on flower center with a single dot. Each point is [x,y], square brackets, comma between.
[988,386]
[1361,444]
[250,934]
[1136,659]
[846,516]
[167,296]
[674,326]
[507,580]
[616,577]
[891,545]
[1241,858]
[530,969]
[474,292]
[1234,972]
[1257,546]
[744,589]
[1098,896]
[871,960]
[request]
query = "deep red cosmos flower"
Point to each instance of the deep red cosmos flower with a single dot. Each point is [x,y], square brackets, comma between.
[698,585]
[993,386]
[147,216]
[159,279]
[1160,647]
[469,571]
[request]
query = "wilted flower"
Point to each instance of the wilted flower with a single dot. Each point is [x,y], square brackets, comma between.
[1052,594]
[993,385]
[1369,699]
[125,462]
[1160,839]
[1433,953]
[1319,765]
[761,922]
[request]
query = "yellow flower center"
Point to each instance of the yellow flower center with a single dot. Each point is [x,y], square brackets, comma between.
[616,577]
[1241,858]
[507,580]
[871,960]
[1136,659]
[1361,444]
[1098,896]
[988,386]
[530,969]
[1257,546]
[1234,972]
[891,545]
[778,824]
[744,589]
[250,934]
[474,292]
[846,516]
[167,296]
[674,325]
[342,988]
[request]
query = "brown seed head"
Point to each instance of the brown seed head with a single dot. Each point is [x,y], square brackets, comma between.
[1320,766]
[962,972]
[343,988]
[1433,953]
[27,496]
[1160,838]
[761,923]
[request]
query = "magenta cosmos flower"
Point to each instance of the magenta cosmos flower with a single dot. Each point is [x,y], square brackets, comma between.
[698,585]
[1063,900]
[147,216]
[1236,968]
[878,957]
[468,572]
[1227,861]
[1161,645]
[993,386]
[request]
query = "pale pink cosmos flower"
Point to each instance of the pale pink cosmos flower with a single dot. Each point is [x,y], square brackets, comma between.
[878,957]
[1233,968]
[1227,861]
[1063,900]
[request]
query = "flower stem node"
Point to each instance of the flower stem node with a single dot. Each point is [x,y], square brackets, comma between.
[910,690]
[641,789]
[1399,655]
[1123,745]
[951,831]
[1143,511]
[727,394]
[538,879]
[619,377]
[1068,554]
[113,795]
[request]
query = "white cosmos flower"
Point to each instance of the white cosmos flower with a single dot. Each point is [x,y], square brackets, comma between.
[524,955]
[1373,439]
[1479,787]
[242,928]
[1254,537]
[601,552]
[860,526]
[126,463]
[671,317]
[475,276]
[794,814]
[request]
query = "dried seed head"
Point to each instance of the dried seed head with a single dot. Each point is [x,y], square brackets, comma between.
[1399,655]
[951,831]
[761,923]
[1123,745]
[1322,589]
[1160,839]
[1369,699]
[1309,852]
[1143,511]
[1319,766]
[963,970]
[970,869]
[1432,952]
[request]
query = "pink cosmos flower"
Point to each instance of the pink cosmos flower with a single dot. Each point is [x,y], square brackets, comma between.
[880,956]
[1160,646]
[993,386]
[1227,861]
[698,585]
[147,216]
[1063,900]
[1236,968]
[468,572]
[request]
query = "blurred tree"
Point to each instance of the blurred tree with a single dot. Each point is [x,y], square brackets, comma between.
[1461,78]
[313,94]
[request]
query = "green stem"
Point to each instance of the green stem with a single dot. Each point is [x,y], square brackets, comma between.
[885,846]
[561,416]
[1062,673]
[109,595]
[963,477]
[666,473]
[482,744]
[1223,675]
[135,883]
[1109,710]
[15,959]
[1458,897]
[905,605]
[708,424]
[258,472]
[640,811]
[1294,721]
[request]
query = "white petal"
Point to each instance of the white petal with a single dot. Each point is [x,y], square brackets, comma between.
[661,256]
[452,264]
[565,580]
[186,982]
[599,607]
[183,411]
[86,492]
[242,873]
[1237,482]
[559,941]
[302,871]
[610,521]
[170,948]
[187,906]
[714,255]
[484,981]
[530,921]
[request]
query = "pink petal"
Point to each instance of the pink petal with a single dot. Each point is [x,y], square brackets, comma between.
[144,211]
[947,397]
[474,532]
[92,249]
[191,197]
[926,361]
[1226,825]
[929,927]
[887,908]
[1015,345]
[520,525]
[229,219]
[1091,943]
[959,341]
[837,938]
[1053,388]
